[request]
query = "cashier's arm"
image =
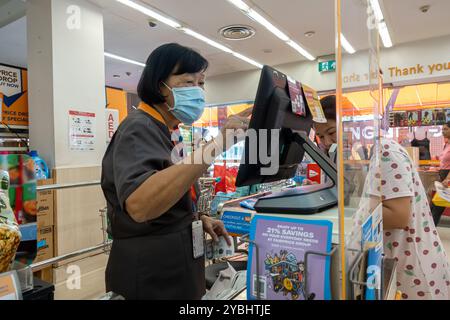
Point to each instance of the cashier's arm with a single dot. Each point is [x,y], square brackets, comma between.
[164,189]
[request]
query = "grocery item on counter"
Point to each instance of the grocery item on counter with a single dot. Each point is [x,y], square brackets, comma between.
[9,230]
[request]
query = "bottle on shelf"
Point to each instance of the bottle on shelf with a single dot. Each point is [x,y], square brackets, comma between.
[41,168]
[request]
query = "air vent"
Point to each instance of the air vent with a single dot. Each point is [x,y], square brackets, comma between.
[237,32]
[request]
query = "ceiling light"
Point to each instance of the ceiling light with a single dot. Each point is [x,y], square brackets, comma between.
[116,57]
[302,51]
[263,21]
[150,13]
[384,34]
[309,34]
[198,36]
[347,46]
[116,76]
[377,10]
[382,26]
[240,4]
[253,14]
[246,59]
[172,23]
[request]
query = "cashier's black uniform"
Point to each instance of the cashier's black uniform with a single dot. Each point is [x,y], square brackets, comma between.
[151,260]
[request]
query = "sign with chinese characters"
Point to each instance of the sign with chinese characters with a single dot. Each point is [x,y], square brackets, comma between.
[81,131]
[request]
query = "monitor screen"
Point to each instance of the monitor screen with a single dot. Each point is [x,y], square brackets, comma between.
[265,160]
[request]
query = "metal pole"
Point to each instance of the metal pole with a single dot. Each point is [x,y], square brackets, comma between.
[68,185]
[49,262]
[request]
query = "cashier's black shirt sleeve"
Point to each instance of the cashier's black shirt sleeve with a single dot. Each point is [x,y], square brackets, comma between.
[147,258]
[140,148]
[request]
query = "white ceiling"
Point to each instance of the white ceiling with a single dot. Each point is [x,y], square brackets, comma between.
[127,32]
[13,40]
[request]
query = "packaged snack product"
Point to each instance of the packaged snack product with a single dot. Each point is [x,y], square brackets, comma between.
[9,230]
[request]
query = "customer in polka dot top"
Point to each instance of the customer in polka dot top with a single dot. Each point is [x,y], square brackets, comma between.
[410,236]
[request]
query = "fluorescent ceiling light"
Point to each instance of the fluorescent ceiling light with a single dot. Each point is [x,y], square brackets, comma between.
[172,23]
[116,57]
[150,13]
[384,34]
[382,26]
[263,21]
[240,4]
[253,14]
[302,51]
[377,10]
[253,62]
[347,46]
[198,36]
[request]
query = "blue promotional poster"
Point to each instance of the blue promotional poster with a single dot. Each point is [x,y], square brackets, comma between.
[282,244]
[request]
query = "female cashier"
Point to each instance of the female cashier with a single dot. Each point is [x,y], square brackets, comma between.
[148,195]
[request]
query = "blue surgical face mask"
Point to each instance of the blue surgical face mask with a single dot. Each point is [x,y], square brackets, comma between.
[189,103]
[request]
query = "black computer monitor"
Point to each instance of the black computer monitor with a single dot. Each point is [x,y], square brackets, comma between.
[273,111]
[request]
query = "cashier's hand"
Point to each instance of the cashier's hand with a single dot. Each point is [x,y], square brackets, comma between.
[215,229]
[235,127]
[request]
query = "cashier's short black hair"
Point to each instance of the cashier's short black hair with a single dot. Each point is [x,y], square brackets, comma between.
[160,65]
[329,107]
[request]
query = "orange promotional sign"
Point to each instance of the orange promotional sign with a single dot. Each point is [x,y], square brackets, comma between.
[13,96]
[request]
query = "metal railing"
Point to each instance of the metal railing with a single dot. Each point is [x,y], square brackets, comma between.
[105,246]
[68,185]
[49,262]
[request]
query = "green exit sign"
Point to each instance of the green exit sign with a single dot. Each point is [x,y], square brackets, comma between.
[327,66]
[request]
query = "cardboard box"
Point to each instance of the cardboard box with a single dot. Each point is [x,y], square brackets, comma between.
[45,274]
[44,244]
[45,205]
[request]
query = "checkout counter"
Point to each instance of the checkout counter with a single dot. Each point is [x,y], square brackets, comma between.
[230,212]
[237,221]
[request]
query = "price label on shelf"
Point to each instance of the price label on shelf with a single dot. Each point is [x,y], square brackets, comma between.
[9,286]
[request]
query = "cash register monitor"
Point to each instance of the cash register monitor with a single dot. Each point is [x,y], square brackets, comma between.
[273,111]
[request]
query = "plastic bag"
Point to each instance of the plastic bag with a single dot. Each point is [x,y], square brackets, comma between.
[9,229]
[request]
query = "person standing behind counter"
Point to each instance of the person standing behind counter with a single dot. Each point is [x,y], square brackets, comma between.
[444,171]
[148,197]
[410,237]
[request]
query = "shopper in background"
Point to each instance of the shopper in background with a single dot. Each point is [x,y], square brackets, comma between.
[411,238]
[150,204]
[444,171]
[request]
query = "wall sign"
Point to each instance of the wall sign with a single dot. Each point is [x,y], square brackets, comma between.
[327,66]
[81,131]
[13,96]
[112,123]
